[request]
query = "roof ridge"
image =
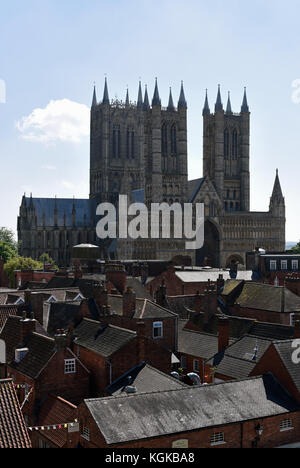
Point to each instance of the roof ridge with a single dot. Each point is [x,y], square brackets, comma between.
[228,382]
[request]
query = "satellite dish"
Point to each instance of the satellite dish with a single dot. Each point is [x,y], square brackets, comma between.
[2,352]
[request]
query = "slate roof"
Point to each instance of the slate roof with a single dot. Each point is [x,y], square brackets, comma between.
[146,379]
[194,187]
[139,289]
[145,308]
[181,305]
[274,331]
[5,312]
[59,316]
[285,350]
[10,333]
[196,343]
[41,349]
[46,206]
[104,340]
[268,297]
[13,431]
[145,416]
[55,411]
[237,360]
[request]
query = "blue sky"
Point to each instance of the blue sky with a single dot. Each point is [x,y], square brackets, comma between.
[53,51]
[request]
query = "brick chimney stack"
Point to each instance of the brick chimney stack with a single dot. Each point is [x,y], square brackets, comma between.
[209,303]
[100,295]
[161,294]
[116,274]
[129,302]
[223,326]
[27,326]
[198,302]
[61,340]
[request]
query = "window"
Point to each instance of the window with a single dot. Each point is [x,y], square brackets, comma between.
[157,330]
[286,425]
[164,140]
[183,362]
[273,265]
[217,438]
[86,433]
[234,144]
[70,366]
[173,140]
[196,366]
[295,265]
[226,143]
[284,264]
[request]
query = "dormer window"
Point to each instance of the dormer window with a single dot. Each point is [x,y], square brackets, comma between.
[20,301]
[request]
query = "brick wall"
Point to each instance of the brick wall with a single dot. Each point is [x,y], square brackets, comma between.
[174,286]
[262,315]
[271,362]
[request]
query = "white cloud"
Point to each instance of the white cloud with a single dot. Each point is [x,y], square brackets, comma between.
[67,184]
[48,167]
[62,120]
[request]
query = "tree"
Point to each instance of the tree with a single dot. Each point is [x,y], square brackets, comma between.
[296,249]
[7,251]
[8,236]
[45,259]
[20,263]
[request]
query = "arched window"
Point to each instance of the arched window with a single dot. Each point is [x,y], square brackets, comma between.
[164,140]
[173,140]
[116,143]
[234,144]
[226,143]
[130,143]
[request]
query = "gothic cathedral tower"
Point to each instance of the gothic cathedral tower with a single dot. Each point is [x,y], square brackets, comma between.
[226,148]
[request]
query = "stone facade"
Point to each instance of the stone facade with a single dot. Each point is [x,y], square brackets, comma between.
[140,151]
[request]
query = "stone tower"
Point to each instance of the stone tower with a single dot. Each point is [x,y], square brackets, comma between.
[135,146]
[226,148]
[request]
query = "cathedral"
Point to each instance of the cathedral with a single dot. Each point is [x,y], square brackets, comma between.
[140,150]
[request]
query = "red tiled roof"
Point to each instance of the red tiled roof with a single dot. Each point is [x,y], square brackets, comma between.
[57,411]
[13,431]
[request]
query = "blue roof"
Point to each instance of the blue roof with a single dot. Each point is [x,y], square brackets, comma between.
[45,207]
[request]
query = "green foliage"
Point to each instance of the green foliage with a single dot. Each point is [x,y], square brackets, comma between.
[20,263]
[47,260]
[296,249]
[7,251]
[7,236]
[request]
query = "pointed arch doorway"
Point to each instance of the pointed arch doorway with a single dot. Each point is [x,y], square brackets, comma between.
[209,255]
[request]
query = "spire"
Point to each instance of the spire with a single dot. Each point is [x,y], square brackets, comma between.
[146,105]
[245,107]
[105,95]
[94,103]
[219,104]
[127,98]
[182,101]
[156,99]
[277,192]
[206,109]
[140,97]
[171,106]
[228,109]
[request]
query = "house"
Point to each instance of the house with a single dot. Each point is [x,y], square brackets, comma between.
[56,425]
[13,430]
[266,303]
[127,311]
[108,351]
[256,412]
[194,348]
[180,281]
[40,365]
[238,360]
[282,359]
